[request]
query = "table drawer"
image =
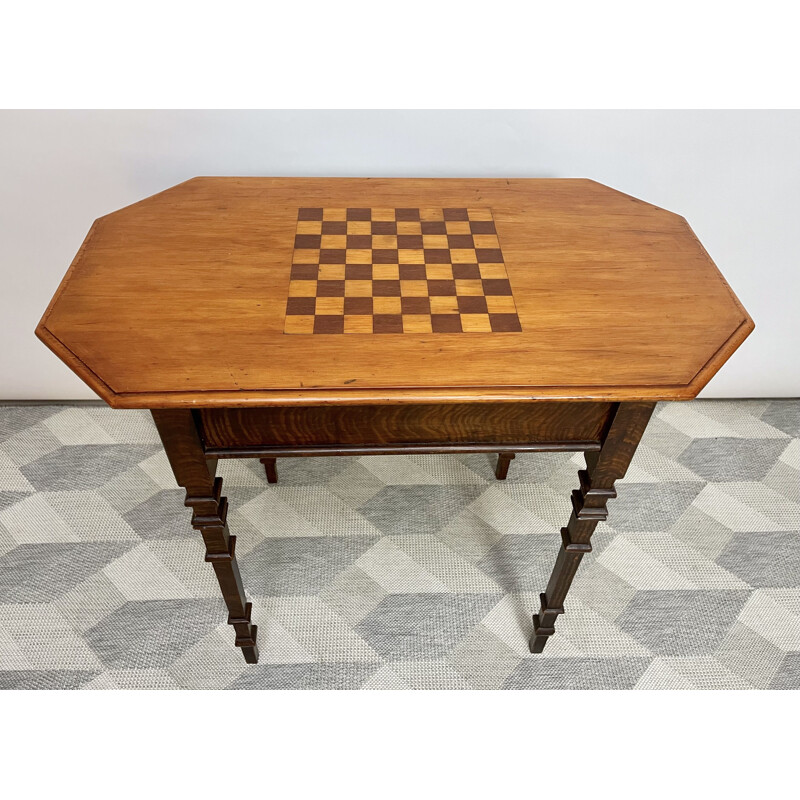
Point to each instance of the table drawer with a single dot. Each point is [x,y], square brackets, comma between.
[502,423]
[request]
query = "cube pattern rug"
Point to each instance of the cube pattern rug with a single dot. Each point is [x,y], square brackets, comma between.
[418,572]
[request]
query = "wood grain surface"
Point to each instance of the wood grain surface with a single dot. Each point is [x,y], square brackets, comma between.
[180,301]
[515,423]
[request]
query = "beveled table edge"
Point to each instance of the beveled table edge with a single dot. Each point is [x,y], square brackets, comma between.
[378,396]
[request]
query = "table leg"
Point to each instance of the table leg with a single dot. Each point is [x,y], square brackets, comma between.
[503,460]
[195,473]
[271,469]
[603,468]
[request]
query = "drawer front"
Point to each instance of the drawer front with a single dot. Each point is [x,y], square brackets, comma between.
[502,423]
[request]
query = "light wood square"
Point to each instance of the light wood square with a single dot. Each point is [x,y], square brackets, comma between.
[358,288]
[433,242]
[409,228]
[465,256]
[334,214]
[302,288]
[431,214]
[330,305]
[386,305]
[469,288]
[475,323]
[414,288]
[331,272]
[383,215]
[487,240]
[357,323]
[384,242]
[332,241]
[385,272]
[359,228]
[359,256]
[305,257]
[503,304]
[439,272]
[416,323]
[493,271]
[444,305]
[457,227]
[411,256]
[299,324]
[479,214]
[313,226]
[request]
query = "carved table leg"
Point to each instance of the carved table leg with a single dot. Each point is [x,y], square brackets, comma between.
[271,469]
[604,467]
[195,473]
[503,460]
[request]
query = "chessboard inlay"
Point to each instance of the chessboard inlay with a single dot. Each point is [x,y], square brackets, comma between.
[398,270]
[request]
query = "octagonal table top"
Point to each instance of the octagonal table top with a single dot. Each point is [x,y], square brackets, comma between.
[265,291]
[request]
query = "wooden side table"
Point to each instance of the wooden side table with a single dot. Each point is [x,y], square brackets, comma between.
[275,317]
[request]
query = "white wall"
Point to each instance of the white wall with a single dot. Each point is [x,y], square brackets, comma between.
[735,175]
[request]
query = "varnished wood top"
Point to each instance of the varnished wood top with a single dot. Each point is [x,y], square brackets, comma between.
[185,298]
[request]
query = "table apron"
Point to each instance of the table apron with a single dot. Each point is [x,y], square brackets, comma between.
[410,428]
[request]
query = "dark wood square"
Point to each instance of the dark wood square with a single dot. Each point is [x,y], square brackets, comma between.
[359,214]
[387,323]
[358,305]
[358,272]
[472,305]
[307,241]
[328,323]
[416,305]
[446,323]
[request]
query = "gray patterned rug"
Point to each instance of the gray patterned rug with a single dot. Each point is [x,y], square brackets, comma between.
[402,572]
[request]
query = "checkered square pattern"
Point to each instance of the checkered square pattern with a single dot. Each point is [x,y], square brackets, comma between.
[398,270]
